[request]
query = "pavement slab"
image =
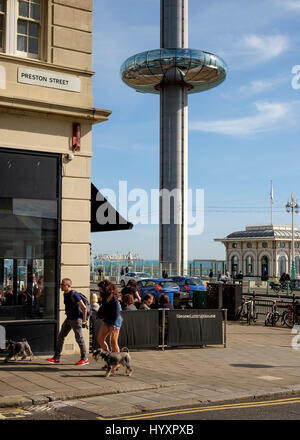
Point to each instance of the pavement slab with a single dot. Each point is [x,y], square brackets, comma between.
[258,361]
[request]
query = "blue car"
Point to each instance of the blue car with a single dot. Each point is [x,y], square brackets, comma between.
[188,284]
[157,286]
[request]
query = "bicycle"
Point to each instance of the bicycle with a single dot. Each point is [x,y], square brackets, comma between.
[284,286]
[247,310]
[280,287]
[290,317]
[273,316]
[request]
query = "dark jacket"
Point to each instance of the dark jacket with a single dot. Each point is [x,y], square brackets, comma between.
[72,309]
[110,310]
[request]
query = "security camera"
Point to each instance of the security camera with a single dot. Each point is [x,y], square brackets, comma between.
[69,156]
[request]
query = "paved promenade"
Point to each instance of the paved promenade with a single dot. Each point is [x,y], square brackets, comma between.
[258,362]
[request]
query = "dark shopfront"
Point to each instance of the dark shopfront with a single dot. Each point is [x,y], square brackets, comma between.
[30,196]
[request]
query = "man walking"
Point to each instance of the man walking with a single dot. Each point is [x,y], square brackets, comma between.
[76,319]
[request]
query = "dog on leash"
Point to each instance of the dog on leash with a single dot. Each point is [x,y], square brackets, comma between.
[18,349]
[112,359]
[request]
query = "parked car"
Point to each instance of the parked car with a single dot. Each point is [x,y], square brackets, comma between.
[157,286]
[188,284]
[132,276]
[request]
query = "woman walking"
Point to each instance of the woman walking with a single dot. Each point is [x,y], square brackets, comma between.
[112,319]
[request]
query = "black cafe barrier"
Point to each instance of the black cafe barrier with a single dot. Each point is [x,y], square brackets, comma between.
[163,328]
[140,329]
[195,327]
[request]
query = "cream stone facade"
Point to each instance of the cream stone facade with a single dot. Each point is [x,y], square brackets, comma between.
[37,112]
[263,250]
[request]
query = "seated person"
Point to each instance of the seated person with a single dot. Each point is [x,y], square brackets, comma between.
[129,302]
[130,290]
[164,302]
[146,304]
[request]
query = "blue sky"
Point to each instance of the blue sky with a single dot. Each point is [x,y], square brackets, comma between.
[242,134]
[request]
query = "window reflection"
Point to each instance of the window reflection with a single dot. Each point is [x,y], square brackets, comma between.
[140,59]
[28,239]
[29,26]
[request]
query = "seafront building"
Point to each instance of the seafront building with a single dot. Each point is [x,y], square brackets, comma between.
[46,120]
[262,250]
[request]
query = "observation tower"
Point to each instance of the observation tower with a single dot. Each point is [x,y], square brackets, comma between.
[173,71]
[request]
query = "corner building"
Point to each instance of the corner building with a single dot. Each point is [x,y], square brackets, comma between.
[46,119]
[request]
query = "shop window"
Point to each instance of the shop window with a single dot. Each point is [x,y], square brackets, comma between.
[264,266]
[29,228]
[22,25]
[234,264]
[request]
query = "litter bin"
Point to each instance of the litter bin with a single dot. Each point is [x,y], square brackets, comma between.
[199,299]
[171,297]
[231,297]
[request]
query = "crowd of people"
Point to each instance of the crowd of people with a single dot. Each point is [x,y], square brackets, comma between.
[106,319]
[226,277]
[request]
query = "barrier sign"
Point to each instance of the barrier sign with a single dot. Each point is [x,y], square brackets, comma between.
[195,327]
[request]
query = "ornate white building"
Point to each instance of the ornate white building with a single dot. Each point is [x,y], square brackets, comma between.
[263,250]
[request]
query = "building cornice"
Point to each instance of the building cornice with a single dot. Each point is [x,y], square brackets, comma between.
[39,109]
[246,239]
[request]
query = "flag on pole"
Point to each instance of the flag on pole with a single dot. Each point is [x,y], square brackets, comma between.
[271,193]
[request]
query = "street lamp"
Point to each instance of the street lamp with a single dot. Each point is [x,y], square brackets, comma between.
[292,207]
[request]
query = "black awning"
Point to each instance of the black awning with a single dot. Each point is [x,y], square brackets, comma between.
[103,216]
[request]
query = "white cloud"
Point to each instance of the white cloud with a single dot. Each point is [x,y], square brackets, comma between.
[289,4]
[255,87]
[251,49]
[269,117]
[264,48]
[261,86]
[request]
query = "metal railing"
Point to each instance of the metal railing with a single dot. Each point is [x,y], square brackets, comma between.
[263,302]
